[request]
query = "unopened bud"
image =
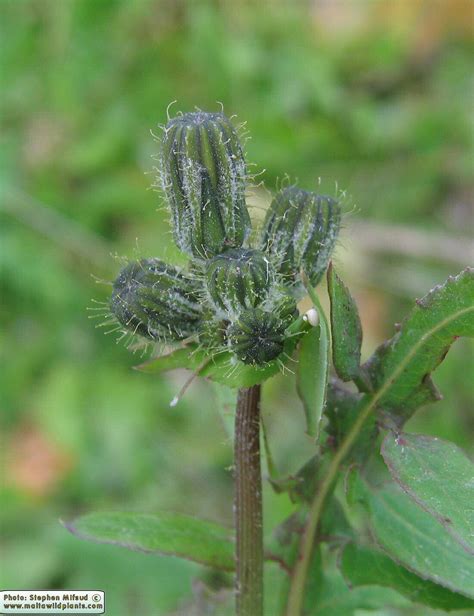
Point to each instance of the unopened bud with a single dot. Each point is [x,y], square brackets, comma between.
[203,176]
[156,300]
[257,336]
[238,279]
[300,231]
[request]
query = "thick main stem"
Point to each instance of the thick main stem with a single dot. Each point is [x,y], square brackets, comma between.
[248,504]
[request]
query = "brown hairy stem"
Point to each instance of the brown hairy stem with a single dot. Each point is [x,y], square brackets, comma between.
[248,504]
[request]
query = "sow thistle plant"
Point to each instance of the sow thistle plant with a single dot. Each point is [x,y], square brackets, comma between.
[231,316]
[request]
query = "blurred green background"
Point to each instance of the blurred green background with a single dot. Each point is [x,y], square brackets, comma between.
[376,95]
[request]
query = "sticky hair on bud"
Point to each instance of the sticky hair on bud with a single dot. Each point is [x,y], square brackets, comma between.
[156,301]
[300,231]
[203,177]
[237,279]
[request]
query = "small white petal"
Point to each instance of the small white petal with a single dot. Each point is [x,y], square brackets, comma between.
[312,317]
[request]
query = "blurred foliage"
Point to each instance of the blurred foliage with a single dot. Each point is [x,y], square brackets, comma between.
[375,95]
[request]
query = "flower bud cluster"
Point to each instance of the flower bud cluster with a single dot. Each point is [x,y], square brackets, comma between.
[233,295]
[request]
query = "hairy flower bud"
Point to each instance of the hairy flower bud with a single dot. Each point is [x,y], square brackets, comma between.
[299,232]
[281,304]
[238,279]
[156,300]
[257,336]
[203,175]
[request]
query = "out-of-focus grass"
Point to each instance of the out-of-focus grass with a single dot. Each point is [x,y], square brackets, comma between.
[376,97]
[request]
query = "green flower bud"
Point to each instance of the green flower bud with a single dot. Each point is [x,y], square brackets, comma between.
[213,331]
[280,303]
[300,231]
[257,336]
[156,300]
[203,175]
[237,279]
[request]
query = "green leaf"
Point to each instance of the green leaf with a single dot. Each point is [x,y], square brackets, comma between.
[329,595]
[313,369]
[400,366]
[302,486]
[334,526]
[425,393]
[284,551]
[363,566]
[336,598]
[311,376]
[342,412]
[223,367]
[439,477]
[190,357]
[415,539]
[346,328]
[274,586]
[283,544]
[162,533]
[446,312]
